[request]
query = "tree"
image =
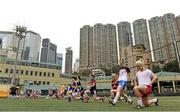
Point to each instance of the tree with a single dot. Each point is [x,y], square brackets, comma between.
[156,68]
[86,72]
[115,68]
[171,66]
[75,73]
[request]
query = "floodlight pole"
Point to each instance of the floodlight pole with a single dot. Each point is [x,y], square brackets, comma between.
[20,34]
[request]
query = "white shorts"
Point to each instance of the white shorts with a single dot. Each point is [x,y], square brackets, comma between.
[74,93]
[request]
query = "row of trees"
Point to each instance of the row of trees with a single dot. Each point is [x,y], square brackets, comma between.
[114,69]
[171,66]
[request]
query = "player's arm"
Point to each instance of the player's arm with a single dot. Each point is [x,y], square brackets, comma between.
[91,85]
[115,81]
[154,78]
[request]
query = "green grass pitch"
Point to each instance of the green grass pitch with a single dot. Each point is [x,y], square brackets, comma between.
[168,103]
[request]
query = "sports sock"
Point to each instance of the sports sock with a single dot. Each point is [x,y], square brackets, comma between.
[139,101]
[116,97]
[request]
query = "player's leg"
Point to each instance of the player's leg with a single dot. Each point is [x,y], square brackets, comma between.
[94,93]
[85,95]
[126,97]
[147,102]
[119,88]
[69,95]
[154,101]
[113,93]
[139,91]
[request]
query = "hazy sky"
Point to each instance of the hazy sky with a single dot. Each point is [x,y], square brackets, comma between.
[61,20]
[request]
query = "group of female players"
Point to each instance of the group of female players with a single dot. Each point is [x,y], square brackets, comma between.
[142,87]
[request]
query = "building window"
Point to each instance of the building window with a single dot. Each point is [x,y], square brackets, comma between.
[17,71]
[44,74]
[11,71]
[39,82]
[36,73]
[48,74]
[26,72]
[48,83]
[6,71]
[52,74]
[22,72]
[31,72]
[40,73]
[44,82]
[35,82]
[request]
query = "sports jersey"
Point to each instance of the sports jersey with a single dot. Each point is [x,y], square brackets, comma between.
[144,77]
[114,84]
[93,82]
[123,75]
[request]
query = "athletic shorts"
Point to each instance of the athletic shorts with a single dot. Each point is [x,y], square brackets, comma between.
[93,90]
[74,94]
[148,90]
[122,83]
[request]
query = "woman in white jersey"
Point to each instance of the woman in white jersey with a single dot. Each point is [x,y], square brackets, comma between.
[143,87]
[122,82]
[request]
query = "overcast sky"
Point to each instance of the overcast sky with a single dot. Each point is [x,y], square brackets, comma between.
[61,20]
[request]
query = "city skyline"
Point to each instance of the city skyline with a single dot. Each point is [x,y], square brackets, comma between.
[60,20]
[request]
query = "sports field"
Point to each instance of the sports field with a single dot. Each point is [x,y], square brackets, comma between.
[166,104]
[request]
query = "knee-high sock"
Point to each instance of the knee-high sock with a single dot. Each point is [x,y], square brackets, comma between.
[139,101]
[116,97]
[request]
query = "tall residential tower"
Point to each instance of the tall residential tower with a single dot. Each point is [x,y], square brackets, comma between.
[68,60]
[86,46]
[141,33]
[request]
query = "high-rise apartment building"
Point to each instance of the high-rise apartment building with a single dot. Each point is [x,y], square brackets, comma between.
[178,24]
[32,46]
[48,51]
[124,35]
[172,32]
[86,46]
[98,46]
[111,51]
[141,33]
[105,45]
[158,39]
[68,60]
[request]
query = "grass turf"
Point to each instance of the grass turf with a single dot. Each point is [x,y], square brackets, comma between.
[166,104]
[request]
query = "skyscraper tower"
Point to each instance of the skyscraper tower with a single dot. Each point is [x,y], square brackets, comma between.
[32,46]
[68,60]
[86,46]
[48,51]
[99,44]
[178,24]
[158,38]
[124,36]
[141,33]
[111,52]
[172,32]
